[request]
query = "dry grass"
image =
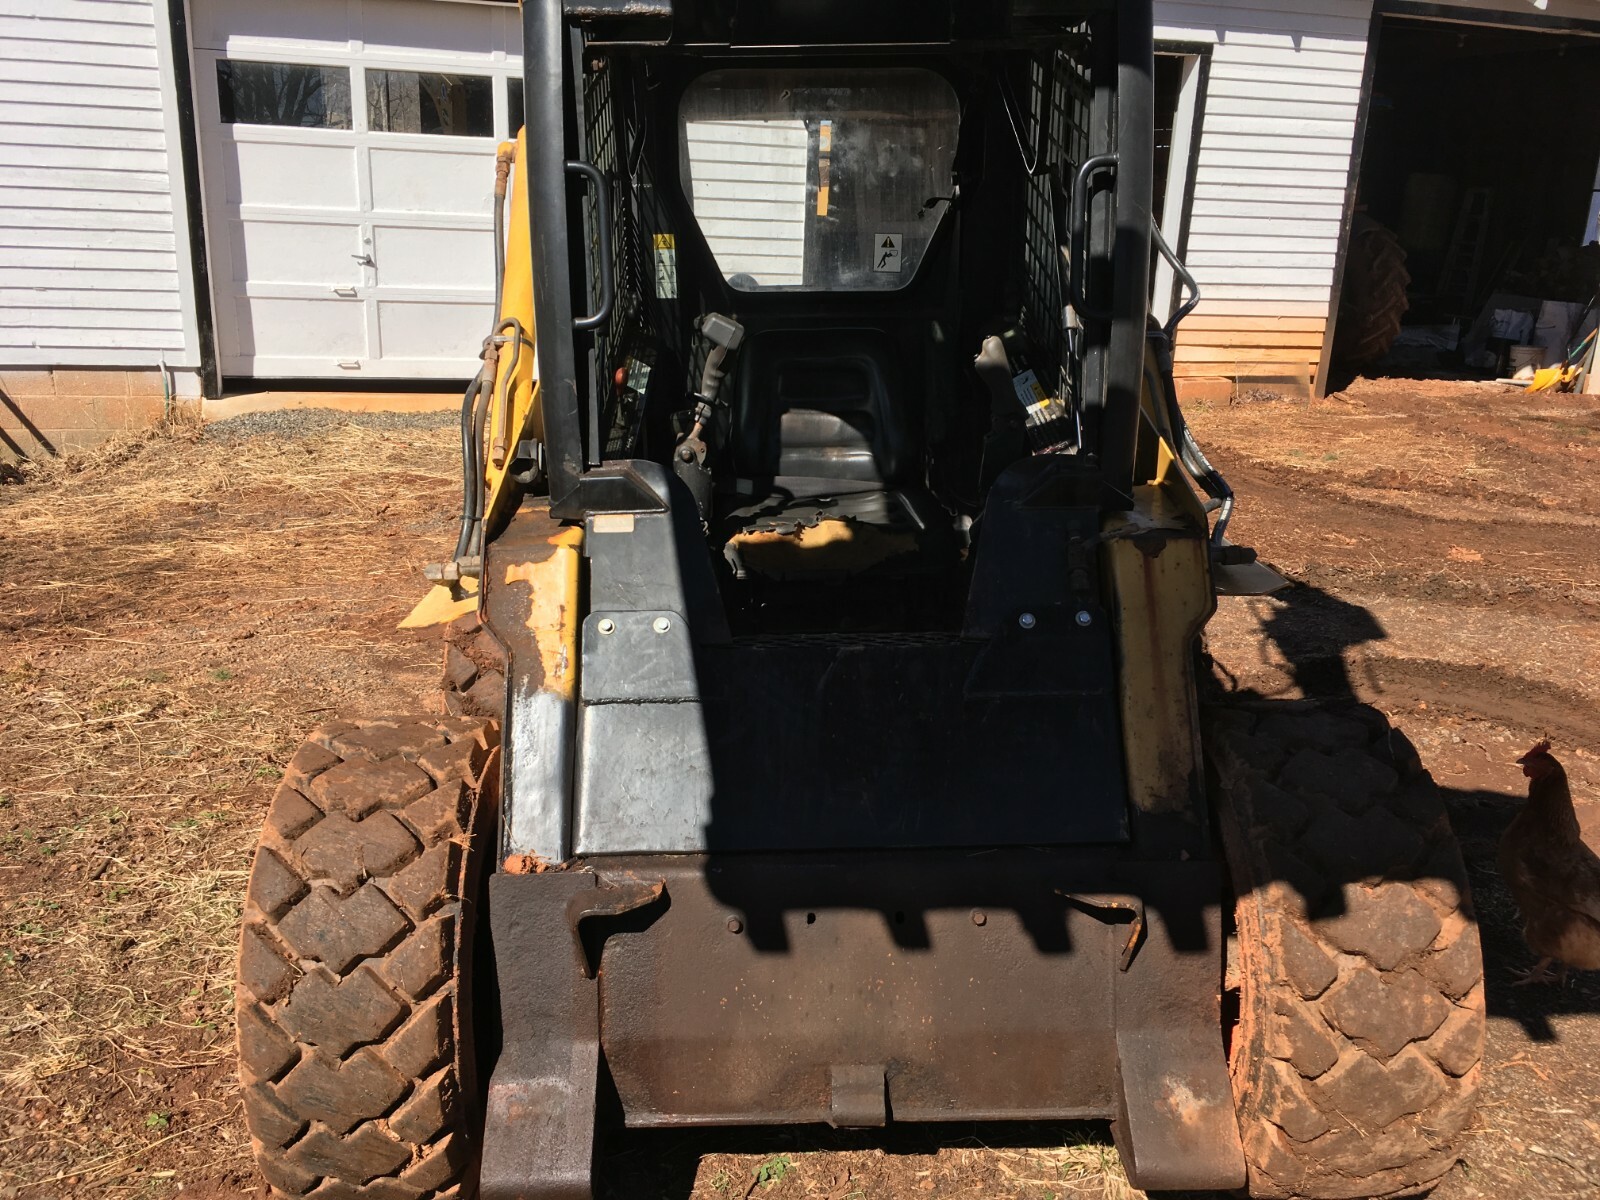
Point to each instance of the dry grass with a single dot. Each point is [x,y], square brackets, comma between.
[1034,1162]
[175,612]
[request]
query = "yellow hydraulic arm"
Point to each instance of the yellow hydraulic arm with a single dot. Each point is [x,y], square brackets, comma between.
[511,366]
[506,410]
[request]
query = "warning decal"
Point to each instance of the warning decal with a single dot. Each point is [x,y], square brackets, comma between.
[1032,395]
[886,252]
[666,266]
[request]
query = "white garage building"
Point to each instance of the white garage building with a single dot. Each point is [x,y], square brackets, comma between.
[200,190]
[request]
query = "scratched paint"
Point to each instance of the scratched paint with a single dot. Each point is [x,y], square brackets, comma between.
[552,609]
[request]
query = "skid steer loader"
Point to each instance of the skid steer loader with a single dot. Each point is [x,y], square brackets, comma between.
[824,739]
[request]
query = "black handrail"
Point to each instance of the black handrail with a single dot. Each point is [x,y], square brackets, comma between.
[1080,234]
[602,201]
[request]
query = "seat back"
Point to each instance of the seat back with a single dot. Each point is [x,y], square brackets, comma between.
[821,405]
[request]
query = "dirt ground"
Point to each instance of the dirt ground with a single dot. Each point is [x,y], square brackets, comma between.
[1445,551]
[178,608]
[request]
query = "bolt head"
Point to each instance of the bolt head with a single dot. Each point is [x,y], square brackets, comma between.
[979,917]
[1085,618]
[607,625]
[735,925]
[1027,620]
[661,625]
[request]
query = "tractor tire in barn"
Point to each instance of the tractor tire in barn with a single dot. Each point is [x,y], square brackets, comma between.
[1356,967]
[1373,300]
[355,1047]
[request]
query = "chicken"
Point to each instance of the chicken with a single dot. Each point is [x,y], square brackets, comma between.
[1554,876]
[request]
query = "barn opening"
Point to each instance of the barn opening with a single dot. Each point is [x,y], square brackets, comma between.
[1476,199]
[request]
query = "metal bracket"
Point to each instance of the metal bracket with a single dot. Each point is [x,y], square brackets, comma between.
[857,1097]
[612,898]
[538,1141]
[1097,903]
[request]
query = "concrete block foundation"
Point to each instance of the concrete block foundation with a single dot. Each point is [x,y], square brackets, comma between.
[60,410]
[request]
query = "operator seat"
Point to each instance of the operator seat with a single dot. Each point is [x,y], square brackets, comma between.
[826,460]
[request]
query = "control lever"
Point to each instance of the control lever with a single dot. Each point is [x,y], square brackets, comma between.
[725,335]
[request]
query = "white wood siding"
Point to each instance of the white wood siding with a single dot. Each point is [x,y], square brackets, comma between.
[749,193]
[1279,125]
[94,262]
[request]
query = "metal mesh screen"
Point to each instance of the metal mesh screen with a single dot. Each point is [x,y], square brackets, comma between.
[605,135]
[1059,99]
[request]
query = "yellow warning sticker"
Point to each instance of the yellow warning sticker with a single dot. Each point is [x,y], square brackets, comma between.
[666,266]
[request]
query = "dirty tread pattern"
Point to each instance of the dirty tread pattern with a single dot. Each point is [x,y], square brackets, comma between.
[1358,1053]
[474,679]
[350,1051]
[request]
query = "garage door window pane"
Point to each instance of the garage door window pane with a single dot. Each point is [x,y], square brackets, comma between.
[421,102]
[514,104]
[258,93]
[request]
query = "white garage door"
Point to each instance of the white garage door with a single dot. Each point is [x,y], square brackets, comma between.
[347,151]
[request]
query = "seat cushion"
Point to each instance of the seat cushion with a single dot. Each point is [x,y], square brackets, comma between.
[822,404]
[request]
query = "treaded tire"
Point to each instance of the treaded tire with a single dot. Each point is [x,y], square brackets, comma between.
[1358,1051]
[474,681]
[1373,300]
[355,1049]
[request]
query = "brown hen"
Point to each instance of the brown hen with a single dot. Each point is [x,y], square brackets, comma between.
[1554,876]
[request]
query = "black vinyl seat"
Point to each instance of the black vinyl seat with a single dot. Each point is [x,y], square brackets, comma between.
[824,470]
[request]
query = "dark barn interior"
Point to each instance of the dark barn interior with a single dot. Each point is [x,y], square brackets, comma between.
[1480,156]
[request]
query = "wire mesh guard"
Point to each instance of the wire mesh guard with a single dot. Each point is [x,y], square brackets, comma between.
[1059,102]
[642,315]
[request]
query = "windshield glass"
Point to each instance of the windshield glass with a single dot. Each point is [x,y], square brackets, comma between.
[819,180]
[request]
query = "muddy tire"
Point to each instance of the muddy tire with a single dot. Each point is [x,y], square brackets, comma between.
[355,1051]
[1356,966]
[474,682]
[1373,300]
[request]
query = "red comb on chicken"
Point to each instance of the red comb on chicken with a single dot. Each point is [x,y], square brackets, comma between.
[1553,875]
[1538,762]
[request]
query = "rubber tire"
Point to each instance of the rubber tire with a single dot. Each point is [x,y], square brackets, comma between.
[355,1059]
[474,679]
[1357,1055]
[1373,300]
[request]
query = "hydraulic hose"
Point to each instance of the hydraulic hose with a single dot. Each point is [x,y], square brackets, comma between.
[501,419]
[504,157]
[480,419]
[477,400]
[471,472]
[1183,441]
[1185,277]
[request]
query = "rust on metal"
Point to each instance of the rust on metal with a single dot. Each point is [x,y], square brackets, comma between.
[1132,905]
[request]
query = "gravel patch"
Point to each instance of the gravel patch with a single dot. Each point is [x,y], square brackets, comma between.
[303,422]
